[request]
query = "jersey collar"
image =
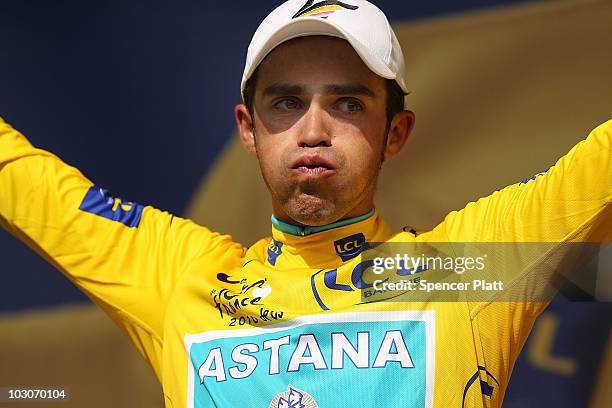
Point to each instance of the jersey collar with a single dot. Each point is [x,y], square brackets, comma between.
[301,231]
[329,247]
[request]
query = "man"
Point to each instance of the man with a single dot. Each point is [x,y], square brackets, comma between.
[292,321]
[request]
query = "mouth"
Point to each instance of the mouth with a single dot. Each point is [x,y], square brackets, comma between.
[313,165]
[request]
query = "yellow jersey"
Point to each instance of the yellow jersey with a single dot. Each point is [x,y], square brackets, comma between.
[287,321]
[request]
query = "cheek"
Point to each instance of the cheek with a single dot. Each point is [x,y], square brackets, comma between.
[267,158]
[364,154]
[269,154]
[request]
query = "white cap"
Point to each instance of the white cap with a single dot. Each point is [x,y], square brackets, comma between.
[359,22]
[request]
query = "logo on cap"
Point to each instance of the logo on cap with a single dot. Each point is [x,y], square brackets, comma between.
[322,9]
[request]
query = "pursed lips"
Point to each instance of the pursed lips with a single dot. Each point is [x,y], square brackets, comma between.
[313,165]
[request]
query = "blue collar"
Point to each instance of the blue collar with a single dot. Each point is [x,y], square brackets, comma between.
[310,229]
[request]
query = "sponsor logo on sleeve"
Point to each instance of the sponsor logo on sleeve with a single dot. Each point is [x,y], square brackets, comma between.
[528,179]
[99,201]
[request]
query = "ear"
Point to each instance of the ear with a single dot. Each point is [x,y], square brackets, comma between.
[399,130]
[246,128]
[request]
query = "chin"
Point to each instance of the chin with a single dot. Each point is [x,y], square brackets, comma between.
[311,210]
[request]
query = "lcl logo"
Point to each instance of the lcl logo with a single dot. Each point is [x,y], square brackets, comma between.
[350,247]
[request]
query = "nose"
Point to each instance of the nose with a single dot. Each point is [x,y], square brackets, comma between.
[315,131]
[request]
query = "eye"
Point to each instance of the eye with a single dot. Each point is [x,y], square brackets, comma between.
[350,105]
[286,104]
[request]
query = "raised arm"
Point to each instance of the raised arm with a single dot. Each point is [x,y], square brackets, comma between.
[568,202]
[127,258]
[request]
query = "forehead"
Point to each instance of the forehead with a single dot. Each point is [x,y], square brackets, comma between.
[316,60]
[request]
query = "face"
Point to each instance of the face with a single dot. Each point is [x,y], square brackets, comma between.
[320,130]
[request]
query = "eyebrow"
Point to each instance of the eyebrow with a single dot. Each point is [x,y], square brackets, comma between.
[283,89]
[279,89]
[349,89]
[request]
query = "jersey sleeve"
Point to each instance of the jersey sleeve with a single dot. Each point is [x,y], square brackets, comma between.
[563,209]
[548,219]
[568,204]
[127,258]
